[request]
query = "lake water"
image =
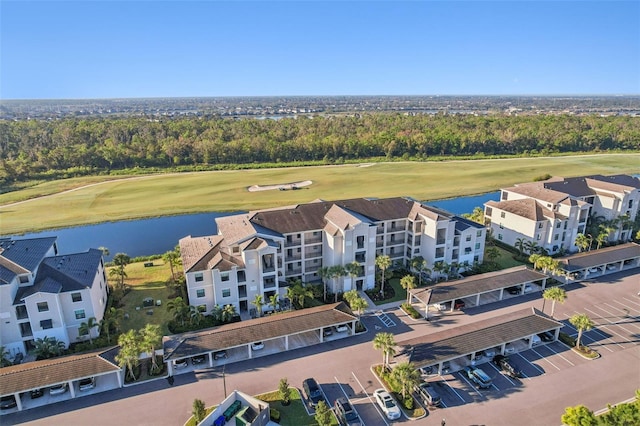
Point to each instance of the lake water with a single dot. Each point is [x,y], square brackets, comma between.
[158,235]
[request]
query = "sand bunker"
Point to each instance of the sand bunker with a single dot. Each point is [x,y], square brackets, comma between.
[281,187]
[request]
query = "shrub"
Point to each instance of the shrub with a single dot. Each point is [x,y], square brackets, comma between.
[410,310]
[285,392]
[274,414]
[566,339]
[199,412]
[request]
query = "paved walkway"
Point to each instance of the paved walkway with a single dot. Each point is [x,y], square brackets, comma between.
[373,307]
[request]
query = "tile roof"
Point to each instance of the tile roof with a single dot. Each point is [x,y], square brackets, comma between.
[25,253]
[538,191]
[245,332]
[452,343]
[48,372]
[481,283]
[600,257]
[527,208]
[196,252]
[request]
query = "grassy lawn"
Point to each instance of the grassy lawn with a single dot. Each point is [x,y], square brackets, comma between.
[146,282]
[506,260]
[169,194]
[294,414]
[401,293]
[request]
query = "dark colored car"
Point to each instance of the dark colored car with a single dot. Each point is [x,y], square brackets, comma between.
[36,393]
[198,359]
[8,402]
[507,366]
[220,355]
[87,384]
[312,390]
[513,290]
[345,413]
[458,304]
[546,336]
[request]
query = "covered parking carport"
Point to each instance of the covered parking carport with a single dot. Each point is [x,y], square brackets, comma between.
[19,380]
[442,347]
[278,332]
[482,288]
[604,261]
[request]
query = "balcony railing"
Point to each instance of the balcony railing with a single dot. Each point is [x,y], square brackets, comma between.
[292,243]
[296,256]
[313,240]
[440,241]
[294,271]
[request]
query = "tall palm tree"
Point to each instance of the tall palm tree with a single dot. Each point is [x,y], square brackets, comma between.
[129,355]
[408,282]
[407,375]
[582,242]
[151,338]
[383,262]
[112,317]
[336,272]
[419,264]
[520,244]
[385,342]
[324,274]
[195,315]
[121,260]
[180,309]
[352,270]
[535,260]
[170,258]
[228,312]
[555,294]
[273,301]
[359,305]
[86,327]
[258,303]
[350,295]
[582,323]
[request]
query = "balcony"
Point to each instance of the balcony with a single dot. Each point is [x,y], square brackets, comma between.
[380,230]
[310,239]
[293,243]
[292,257]
[396,255]
[440,241]
[21,312]
[312,253]
[242,291]
[294,271]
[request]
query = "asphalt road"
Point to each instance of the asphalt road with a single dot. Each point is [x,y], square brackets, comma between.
[555,377]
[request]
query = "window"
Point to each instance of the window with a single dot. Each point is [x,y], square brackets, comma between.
[558,224]
[538,237]
[79,314]
[540,225]
[236,249]
[224,276]
[468,238]
[555,237]
[46,324]
[21,312]
[630,204]
[500,237]
[242,276]
[226,292]
[24,279]
[503,215]
[565,225]
[479,234]
[200,292]
[439,252]
[501,226]
[477,246]
[199,276]
[76,297]
[43,306]
[467,250]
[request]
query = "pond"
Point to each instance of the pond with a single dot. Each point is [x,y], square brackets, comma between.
[158,235]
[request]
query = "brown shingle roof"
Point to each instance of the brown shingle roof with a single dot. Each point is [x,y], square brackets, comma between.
[453,343]
[600,257]
[245,332]
[40,374]
[538,191]
[527,208]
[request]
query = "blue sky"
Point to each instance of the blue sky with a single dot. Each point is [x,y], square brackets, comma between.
[114,49]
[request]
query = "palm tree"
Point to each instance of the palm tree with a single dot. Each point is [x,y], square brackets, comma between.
[535,260]
[441,268]
[383,262]
[555,294]
[407,375]
[419,264]
[228,312]
[520,244]
[336,272]
[104,250]
[129,355]
[112,317]
[492,253]
[273,301]
[531,246]
[582,323]
[359,304]
[353,271]
[582,242]
[385,342]
[195,314]
[86,327]
[4,357]
[216,313]
[48,347]
[121,260]
[350,295]
[408,282]
[179,307]
[258,303]
[323,273]
[171,258]
[150,339]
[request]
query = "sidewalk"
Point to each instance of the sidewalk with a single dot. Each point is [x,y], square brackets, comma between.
[374,308]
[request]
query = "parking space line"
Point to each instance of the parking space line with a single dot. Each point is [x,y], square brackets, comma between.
[470,384]
[630,308]
[544,358]
[607,326]
[559,354]
[635,302]
[594,330]
[532,364]
[625,314]
[370,400]
[453,389]
[348,399]
[500,372]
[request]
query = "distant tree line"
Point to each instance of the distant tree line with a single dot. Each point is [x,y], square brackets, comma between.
[34,148]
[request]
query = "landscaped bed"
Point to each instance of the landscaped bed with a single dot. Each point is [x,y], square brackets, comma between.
[293,414]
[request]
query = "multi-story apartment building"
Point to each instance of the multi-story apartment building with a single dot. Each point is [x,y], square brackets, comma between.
[45,294]
[260,252]
[552,213]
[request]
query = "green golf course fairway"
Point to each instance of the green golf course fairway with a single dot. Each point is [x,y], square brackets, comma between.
[171,194]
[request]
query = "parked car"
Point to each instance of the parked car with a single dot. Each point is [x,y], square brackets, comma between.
[611,267]
[180,363]
[428,394]
[327,331]
[489,353]
[428,370]
[441,306]
[256,346]
[513,290]
[458,304]
[36,393]
[594,270]
[220,355]
[312,391]
[88,383]
[345,413]
[478,376]
[535,340]
[528,288]
[546,336]
[509,348]
[446,367]
[7,402]
[198,359]
[342,328]
[507,366]
[58,389]
[387,404]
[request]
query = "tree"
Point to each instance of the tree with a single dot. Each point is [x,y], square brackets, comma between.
[273,301]
[383,262]
[216,313]
[199,411]
[104,250]
[150,339]
[441,268]
[323,273]
[492,253]
[582,242]
[180,309]
[195,315]
[419,264]
[86,327]
[112,317]
[582,323]
[4,357]
[48,347]
[336,272]
[353,271]
[297,293]
[350,295]
[407,375]
[129,355]
[121,260]
[258,303]
[408,282]
[530,247]
[477,215]
[622,414]
[535,260]
[385,342]
[323,414]
[359,304]
[285,391]
[579,416]
[520,244]
[228,312]
[171,258]
[555,294]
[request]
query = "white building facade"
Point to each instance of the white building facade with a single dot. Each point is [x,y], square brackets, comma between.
[262,252]
[44,294]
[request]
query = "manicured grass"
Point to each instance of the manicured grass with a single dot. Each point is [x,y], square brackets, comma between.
[293,414]
[506,260]
[192,420]
[146,282]
[169,194]
[401,293]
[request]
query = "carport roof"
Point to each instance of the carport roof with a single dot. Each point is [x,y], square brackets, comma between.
[456,342]
[48,372]
[600,257]
[482,283]
[245,332]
